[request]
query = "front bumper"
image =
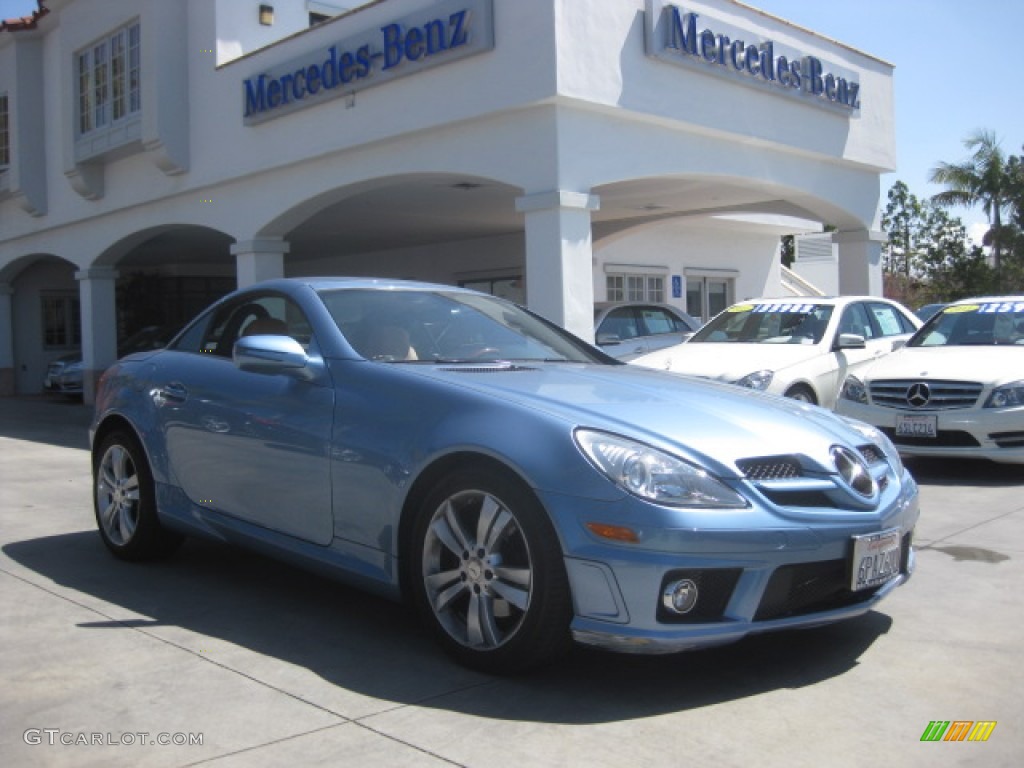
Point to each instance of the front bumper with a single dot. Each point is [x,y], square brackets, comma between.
[752,580]
[975,433]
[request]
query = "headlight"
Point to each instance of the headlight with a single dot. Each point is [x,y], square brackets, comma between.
[758,380]
[653,475]
[854,389]
[879,438]
[1006,396]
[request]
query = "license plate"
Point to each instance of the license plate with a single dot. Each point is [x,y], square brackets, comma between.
[917,425]
[876,559]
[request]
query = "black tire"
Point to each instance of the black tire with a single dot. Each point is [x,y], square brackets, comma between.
[499,605]
[125,502]
[803,393]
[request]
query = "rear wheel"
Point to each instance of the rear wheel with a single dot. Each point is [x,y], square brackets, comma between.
[487,574]
[125,501]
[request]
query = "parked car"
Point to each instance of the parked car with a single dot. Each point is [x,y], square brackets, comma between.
[628,329]
[520,487]
[800,348]
[64,375]
[956,389]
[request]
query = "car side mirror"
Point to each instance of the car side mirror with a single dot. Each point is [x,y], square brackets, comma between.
[850,341]
[269,354]
[604,339]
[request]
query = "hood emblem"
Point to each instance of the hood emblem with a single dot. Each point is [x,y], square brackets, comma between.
[854,472]
[918,395]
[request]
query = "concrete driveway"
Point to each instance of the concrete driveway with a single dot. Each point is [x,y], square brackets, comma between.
[222,658]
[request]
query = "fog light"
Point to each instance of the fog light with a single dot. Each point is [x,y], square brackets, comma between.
[680,596]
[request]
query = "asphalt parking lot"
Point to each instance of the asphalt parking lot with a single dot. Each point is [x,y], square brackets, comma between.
[218,657]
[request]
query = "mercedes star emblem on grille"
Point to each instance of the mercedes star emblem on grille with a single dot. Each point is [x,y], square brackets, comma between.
[918,394]
[854,472]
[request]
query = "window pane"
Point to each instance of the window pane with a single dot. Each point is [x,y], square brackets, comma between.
[118,75]
[84,93]
[655,289]
[695,297]
[134,87]
[101,85]
[614,288]
[718,296]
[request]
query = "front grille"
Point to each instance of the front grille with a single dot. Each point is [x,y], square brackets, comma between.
[770,467]
[939,395]
[795,590]
[1008,439]
[946,438]
[714,590]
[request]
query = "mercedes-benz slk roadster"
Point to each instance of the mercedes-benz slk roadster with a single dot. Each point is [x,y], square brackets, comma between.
[515,485]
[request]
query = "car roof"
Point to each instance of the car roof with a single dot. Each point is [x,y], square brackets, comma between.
[328,283]
[989,300]
[809,299]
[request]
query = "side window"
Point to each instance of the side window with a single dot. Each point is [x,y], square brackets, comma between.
[855,320]
[658,321]
[268,314]
[621,324]
[890,320]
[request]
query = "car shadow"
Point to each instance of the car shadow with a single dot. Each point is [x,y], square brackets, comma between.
[51,419]
[963,472]
[376,648]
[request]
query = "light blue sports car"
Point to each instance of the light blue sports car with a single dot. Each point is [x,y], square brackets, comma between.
[514,484]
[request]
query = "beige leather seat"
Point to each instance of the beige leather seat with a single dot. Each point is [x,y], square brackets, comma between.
[266,326]
[389,342]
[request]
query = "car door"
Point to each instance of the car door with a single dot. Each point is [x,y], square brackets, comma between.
[856,320]
[893,327]
[254,446]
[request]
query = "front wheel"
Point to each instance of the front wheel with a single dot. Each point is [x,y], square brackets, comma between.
[125,501]
[802,393]
[487,575]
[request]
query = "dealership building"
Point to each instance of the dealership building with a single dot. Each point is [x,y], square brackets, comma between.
[155,154]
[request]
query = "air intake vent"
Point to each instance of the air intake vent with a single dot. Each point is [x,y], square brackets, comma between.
[770,468]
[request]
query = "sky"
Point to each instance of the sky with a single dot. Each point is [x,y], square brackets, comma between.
[954,73]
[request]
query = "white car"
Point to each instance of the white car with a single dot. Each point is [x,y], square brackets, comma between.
[801,348]
[956,389]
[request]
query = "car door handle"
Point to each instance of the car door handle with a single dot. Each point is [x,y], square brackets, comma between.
[171,394]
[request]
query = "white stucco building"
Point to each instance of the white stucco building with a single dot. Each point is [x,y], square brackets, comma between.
[155,153]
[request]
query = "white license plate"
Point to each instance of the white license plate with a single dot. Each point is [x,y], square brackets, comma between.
[876,559]
[917,425]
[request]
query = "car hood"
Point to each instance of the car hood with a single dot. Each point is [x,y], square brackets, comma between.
[982,364]
[727,362]
[706,421]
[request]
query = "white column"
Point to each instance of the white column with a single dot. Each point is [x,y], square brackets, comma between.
[6,340]
[559,258]
[99,325]
[260,259]
[860,262]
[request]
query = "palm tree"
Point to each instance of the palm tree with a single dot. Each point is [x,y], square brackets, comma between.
[984,178]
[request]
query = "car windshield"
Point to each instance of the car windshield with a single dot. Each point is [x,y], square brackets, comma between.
[971,325]
[767,323]
[451,327]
